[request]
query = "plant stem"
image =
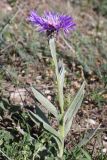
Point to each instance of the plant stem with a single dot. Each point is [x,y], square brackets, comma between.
[5,155]
[60,95]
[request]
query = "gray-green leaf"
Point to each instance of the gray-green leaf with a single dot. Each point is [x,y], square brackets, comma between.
[72,110]
[88,136]
[35,117]
[45,102]
[53,50]
[61,82]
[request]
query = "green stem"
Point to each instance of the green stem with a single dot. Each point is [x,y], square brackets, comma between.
[61,104]
[5,155]
[60,93]
[60,96]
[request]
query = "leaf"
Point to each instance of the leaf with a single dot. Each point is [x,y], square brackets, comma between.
[39,112]
[72,107]
[69,122]
[45,102]
[58,142]
[2,105]
[88,136]
[35,117]
[5,155]
[86,154]
[72,110]
[53,50]
[61,81]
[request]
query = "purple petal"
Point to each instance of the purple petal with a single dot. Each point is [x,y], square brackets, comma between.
[52,21]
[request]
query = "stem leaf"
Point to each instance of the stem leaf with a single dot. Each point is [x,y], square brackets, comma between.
[73,108]
[88,136]
[53,50]
[61,83]
[46,126]
[45,102]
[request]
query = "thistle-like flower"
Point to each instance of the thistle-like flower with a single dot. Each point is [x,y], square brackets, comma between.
[52,22]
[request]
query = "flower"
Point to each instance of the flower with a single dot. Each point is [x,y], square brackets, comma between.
[51,22]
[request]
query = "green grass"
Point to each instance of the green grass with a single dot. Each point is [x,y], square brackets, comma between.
[22,142]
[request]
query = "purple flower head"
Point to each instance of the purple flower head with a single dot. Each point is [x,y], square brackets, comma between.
[51,22]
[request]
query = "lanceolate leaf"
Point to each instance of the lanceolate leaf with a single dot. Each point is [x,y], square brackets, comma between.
[73,105]
[72,110]
[53,50]
[61,82]
[86,154]
[41,114]
[45,102]
[69,121]
[88,136]
[35,117]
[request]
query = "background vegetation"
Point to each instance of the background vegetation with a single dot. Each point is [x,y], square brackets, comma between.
[25,59]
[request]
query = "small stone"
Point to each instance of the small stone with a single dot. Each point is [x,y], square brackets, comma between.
[47,91]
[49,98]
[91,121]
[104,150]
[18,96]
